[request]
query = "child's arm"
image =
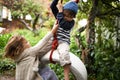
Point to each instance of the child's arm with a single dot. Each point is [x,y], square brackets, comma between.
[60,6]
[60,11]
[54,8]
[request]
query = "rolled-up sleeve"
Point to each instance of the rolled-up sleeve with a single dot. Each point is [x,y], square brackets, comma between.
[60,16]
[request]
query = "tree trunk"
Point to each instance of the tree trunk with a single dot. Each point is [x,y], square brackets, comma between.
[117,28]
[90,33]
[34,25]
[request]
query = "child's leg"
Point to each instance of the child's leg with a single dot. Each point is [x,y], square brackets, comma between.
[63,49]
[66,71]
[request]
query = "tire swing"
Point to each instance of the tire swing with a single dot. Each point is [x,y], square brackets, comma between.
[77,67]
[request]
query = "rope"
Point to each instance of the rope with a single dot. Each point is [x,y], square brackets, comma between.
[54,46]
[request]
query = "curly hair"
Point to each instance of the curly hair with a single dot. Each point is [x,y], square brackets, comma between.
[14,46]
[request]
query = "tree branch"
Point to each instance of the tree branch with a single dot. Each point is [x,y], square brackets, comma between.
[26,25]
[115,11]
[35,21]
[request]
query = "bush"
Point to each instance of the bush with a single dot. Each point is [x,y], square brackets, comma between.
[6,64]
[3,40]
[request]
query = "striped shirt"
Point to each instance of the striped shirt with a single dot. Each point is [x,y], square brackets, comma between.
[63,35]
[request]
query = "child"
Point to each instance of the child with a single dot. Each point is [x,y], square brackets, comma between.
[27,57]
[64,15]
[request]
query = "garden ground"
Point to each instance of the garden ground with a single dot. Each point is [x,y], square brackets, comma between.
[7,78]
[8,75]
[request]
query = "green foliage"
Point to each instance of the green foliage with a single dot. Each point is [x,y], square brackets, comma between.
[107,63]
[59,71]
[6,64]
[30,7]
[30,36]
[73,47]
[3,40]
[106,52]
[49,23]
[0,24]
[26,7]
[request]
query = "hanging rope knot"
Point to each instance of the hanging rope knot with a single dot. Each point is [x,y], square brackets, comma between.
[54,46]
[55,42]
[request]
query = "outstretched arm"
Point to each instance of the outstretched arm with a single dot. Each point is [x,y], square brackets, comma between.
[35,50]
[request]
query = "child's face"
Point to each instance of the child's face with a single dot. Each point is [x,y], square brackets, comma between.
[67,16]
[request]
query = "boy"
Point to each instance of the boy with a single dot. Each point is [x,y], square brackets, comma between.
[64,15]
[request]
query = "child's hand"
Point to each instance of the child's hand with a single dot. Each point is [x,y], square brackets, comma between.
[76,1]
[60,6]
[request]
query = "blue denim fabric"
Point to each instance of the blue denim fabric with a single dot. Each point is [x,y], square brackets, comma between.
[47,73]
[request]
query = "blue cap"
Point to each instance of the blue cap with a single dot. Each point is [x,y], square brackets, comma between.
[73,6]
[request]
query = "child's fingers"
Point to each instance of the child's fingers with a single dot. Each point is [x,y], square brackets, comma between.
[56,22]
[60,1]
[55,26]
